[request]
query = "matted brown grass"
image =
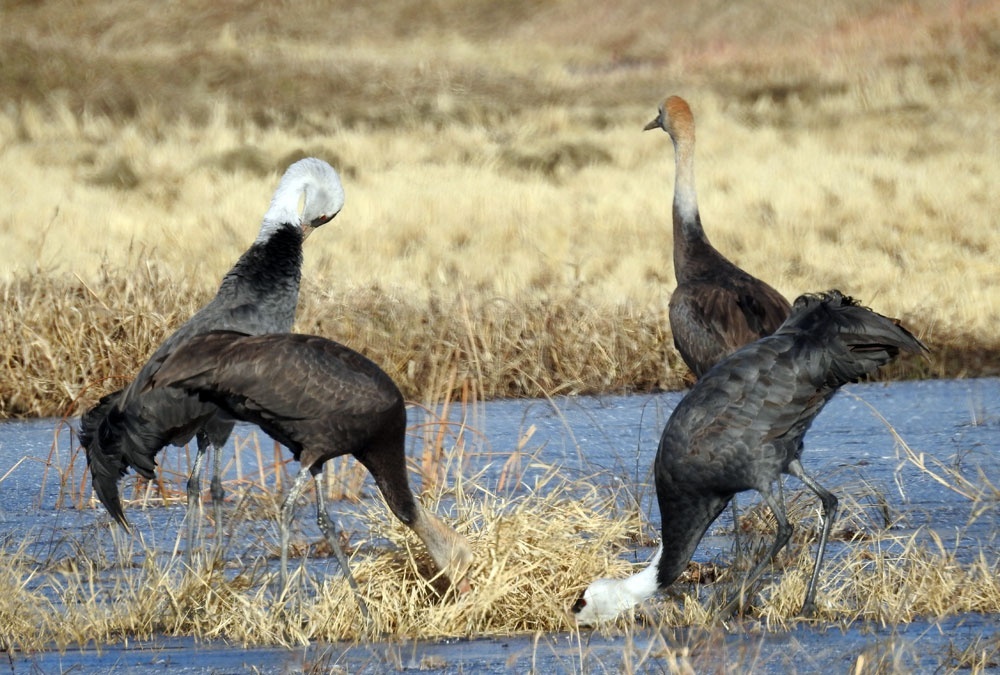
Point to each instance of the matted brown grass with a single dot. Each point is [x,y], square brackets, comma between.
[523,580]
[536,547]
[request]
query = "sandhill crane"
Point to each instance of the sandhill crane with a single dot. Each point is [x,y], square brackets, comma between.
[741,427]
[716,307]
[321,400]
[127,428]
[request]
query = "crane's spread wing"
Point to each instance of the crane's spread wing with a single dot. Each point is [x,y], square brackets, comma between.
[753,407]
[280,376]
[745,419]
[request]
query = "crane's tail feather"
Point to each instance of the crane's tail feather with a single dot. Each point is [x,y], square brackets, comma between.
[869,340]
[115,440]
[104,457]
[91,420]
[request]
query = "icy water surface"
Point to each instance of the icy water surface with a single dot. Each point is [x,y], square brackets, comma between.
[611,440]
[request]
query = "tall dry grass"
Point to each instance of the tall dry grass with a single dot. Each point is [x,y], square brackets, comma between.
[496,176]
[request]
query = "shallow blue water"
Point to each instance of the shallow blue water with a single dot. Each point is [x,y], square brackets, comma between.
[856,441]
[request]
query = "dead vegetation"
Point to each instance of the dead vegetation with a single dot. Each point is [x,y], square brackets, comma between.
[505,214]
[70,341]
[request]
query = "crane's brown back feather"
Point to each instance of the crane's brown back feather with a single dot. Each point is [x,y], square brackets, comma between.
[314,395]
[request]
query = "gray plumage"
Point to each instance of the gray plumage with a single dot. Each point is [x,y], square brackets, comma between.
[741,427]
[321,400]
[716,307]
[127,428]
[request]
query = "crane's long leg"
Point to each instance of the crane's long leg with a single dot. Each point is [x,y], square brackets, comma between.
[329,530]
[218,495]
[287,511]
[784,533]
[830,502]
[736,528]
[193,514]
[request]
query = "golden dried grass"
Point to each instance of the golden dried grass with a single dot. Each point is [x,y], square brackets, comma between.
[494,157]
[73,341]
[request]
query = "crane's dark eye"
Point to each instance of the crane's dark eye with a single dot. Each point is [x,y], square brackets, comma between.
[579,605]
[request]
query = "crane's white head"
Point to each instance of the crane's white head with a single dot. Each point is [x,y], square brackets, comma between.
[606,599]
[311,183]
[603,600]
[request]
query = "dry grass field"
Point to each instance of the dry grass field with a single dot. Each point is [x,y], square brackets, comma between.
[506,218]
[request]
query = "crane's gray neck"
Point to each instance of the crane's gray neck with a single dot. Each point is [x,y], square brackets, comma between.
[275,220]
[692,250]
[685,195]
[265,279]
[685,521]
[284,208]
